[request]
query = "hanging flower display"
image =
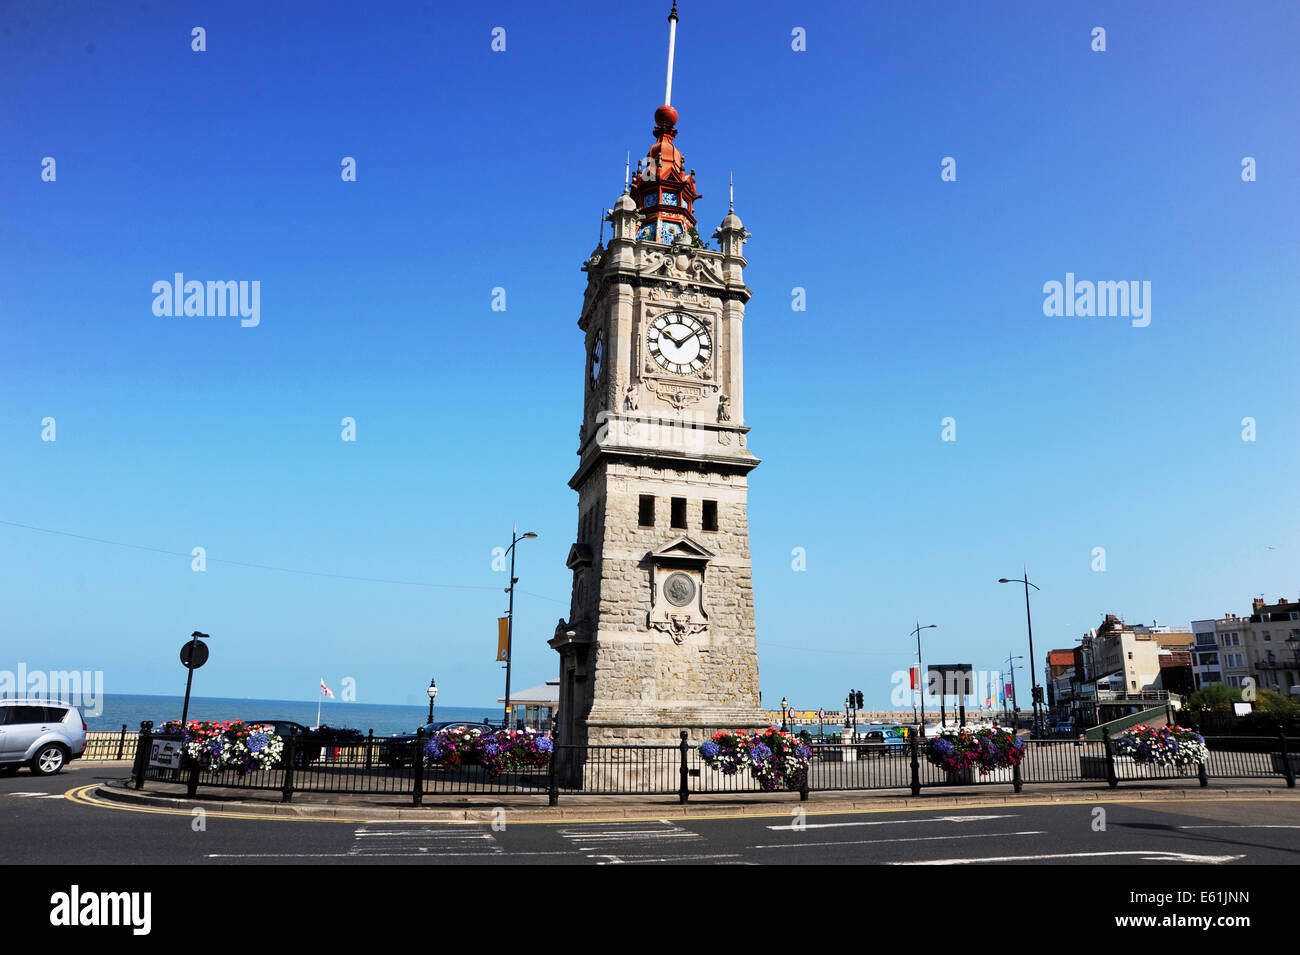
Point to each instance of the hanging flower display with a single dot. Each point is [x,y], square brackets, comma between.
[513,751]
[777,760]
[453,746]
[985,749]
[505,751]
[216,745]
[1162,745]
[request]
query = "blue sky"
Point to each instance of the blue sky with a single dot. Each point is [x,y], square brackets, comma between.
[479,169]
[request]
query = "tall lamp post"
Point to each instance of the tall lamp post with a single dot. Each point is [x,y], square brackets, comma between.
[433,695]
[515,538]
[920,670]
[1011,668]
[784,727]
[1029,621]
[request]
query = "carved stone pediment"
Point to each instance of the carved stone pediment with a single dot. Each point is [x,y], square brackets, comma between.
[683,549]
[580,556]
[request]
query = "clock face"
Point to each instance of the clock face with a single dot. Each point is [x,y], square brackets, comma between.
[679,343]
[597,356]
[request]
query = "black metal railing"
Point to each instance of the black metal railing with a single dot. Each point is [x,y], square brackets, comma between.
[102,746]
[392,765]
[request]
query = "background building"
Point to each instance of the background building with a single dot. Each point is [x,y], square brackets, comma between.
[1206,668]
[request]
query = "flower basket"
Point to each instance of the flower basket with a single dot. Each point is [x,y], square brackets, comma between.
[513,751]
[213,746]
[991,752]
[506,751]
[453,746]
[1175,746]
[778,761]
[967,776]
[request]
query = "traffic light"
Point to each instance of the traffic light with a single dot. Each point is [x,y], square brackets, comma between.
[859,699]
[1038,694]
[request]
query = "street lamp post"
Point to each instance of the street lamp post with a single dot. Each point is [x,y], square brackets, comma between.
[515,538]
[1011,668]
[1029,621]
[433,695]
[920,672]
[784,727]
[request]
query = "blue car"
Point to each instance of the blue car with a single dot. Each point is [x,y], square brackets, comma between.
[885,742]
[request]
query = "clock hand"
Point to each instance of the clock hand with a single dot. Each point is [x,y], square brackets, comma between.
[664,332]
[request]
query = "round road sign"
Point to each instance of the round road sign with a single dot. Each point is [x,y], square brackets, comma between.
[200,651]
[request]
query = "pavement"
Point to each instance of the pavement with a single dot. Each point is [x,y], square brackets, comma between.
[486,808]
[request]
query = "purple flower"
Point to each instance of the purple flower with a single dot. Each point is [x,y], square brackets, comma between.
[545,745]
[709,749]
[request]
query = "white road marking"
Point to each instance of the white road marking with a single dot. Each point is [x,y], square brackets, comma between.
[1241,826]
[1152,855]
[365,855]
[387,841]
[28,794]
[886,822]
[687,858]
[876,842]
[633,841]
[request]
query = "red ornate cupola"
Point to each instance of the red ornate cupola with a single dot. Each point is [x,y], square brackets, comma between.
[663,190]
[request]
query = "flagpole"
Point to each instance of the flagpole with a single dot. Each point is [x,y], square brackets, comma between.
[320,695]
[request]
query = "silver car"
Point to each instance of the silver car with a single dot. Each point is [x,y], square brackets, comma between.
[42,734]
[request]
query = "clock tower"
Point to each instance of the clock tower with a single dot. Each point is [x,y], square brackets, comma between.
[660,633]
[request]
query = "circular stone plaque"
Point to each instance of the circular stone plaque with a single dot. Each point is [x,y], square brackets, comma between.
[679,589]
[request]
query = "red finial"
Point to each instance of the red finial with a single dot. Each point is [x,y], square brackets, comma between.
[666,116]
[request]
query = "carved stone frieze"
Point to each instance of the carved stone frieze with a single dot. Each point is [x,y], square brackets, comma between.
[679,626]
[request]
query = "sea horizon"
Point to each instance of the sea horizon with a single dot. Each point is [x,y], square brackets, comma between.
[131,709]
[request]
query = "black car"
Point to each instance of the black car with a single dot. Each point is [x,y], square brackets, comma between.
[396,750]
[309,743]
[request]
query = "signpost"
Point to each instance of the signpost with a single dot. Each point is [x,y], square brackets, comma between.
[193,656]
[166,753]
[957,679]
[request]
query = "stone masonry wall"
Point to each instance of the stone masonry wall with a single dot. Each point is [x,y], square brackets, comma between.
[644,685]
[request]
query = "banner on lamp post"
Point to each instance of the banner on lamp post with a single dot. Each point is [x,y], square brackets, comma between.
[503,639]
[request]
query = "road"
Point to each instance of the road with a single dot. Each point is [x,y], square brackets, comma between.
[39,824]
